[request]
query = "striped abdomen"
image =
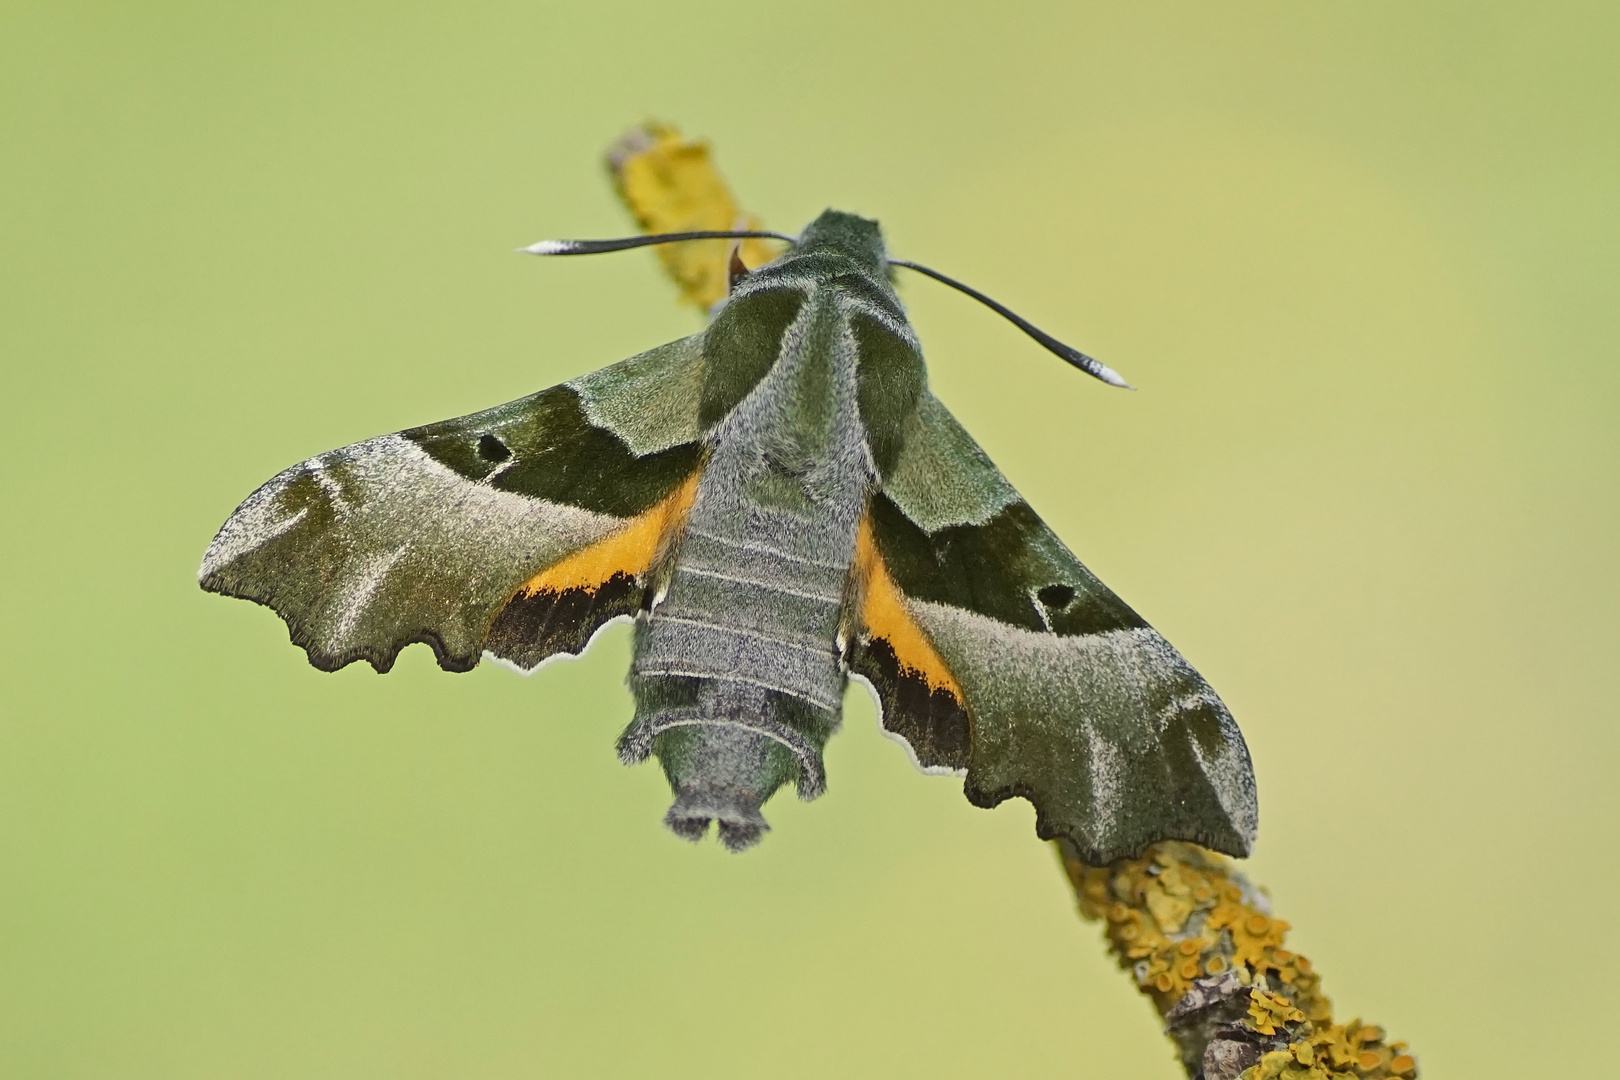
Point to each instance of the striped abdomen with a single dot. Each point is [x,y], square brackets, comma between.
[737,673]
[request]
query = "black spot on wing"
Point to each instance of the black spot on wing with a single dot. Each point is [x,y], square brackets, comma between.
[929,718]
[1055,596]
[492,449]
[533,626]
[992,569]
[552,451]
[1094,609]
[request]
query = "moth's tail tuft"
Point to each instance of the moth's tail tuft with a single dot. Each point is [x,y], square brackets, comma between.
[726,747]
[741,825]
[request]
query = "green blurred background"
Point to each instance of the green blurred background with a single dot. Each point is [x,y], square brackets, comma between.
[1361,259]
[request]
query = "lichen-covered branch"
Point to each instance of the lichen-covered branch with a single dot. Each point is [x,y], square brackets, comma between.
[1203,944]
[1197,937]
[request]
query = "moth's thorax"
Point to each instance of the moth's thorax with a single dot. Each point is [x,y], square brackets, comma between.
[839,269]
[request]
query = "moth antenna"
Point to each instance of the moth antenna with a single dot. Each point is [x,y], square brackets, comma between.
[1089,365]
[598,247]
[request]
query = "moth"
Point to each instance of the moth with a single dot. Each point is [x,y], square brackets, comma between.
[780,505]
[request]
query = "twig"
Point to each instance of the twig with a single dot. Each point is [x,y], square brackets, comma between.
[1202,943]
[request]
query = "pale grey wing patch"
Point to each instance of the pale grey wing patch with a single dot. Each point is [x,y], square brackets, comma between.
[1107,763]
[260,519]
[1113,737]
[369,548]
[942,477]
[650,400]
[356,599]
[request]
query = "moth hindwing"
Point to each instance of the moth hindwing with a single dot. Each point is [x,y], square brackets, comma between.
[779,503]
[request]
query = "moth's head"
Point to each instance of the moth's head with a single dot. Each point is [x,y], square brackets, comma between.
[855,238]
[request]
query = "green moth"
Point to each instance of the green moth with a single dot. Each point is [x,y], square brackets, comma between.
[779,504]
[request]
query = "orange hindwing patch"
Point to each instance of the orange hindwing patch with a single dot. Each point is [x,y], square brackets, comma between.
[558,609]
[630,551]
[884,614]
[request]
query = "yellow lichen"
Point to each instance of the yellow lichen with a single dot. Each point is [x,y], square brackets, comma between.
[1268,1013]
[670,184]
[1276,1065]
[1180,913]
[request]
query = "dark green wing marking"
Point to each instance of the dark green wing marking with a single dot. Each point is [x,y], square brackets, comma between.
[430,534]
[1071,700]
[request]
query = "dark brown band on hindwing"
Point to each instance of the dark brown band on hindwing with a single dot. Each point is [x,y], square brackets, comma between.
[533,626]
[931,719]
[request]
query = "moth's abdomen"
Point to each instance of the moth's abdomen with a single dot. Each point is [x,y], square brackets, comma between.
[736,610]
[737,673]
[737,676]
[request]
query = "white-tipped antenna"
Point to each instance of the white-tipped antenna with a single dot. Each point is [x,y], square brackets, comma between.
[1088,364]
[599,247]
[548,247]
